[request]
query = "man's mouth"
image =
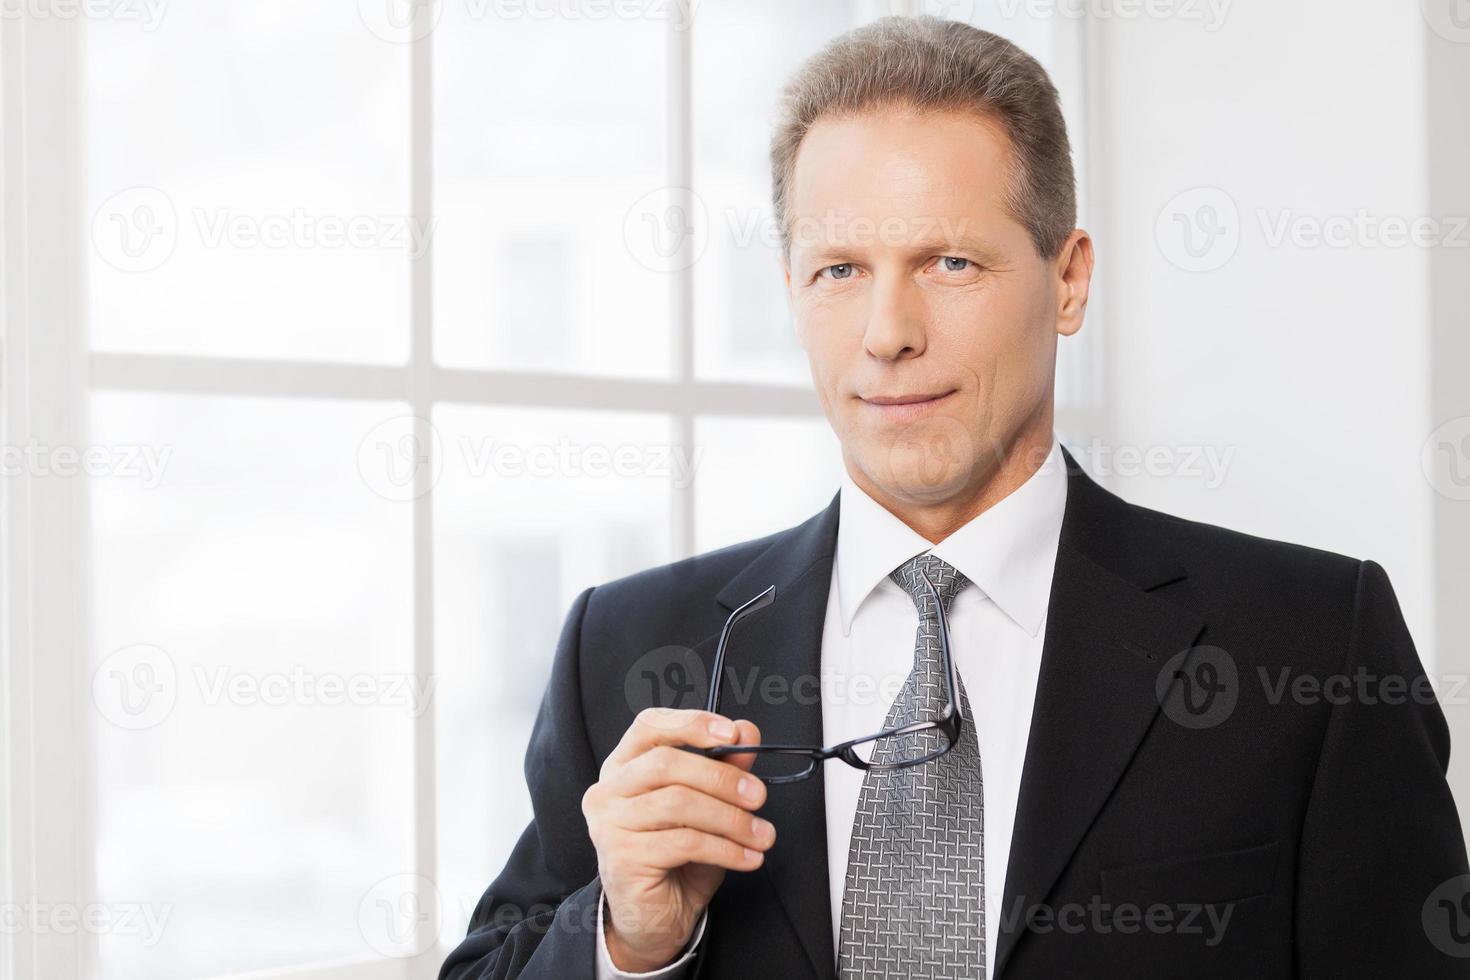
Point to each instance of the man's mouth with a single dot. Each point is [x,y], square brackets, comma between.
[905,407]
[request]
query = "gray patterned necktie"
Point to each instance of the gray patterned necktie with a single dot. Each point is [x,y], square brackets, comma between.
[913,905]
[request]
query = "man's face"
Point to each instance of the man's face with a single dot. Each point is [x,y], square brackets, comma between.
[910,283]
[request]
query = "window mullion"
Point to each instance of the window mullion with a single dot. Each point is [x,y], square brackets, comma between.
[49,811]
[421,392]
[681,182]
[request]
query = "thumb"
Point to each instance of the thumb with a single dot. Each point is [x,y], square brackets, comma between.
[745,734]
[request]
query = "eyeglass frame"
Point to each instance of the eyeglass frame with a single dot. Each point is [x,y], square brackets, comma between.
[949,722]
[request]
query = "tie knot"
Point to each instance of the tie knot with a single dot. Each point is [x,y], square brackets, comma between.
[947,579]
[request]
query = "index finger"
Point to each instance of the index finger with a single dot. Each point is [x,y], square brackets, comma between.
[673,726]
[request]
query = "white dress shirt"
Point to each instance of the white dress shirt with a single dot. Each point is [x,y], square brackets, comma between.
[997,625]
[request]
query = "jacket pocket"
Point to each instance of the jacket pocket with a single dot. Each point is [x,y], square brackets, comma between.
[1194,879]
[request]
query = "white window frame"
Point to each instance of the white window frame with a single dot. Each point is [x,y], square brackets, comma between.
[47,814]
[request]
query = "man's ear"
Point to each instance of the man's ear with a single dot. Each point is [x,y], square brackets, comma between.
[1074,279]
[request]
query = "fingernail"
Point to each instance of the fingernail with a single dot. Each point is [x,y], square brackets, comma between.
[751,855]
[748,788]
[722,728]
[763,828]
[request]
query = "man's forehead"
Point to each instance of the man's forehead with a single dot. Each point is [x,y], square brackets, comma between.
[873,172]
[907,146]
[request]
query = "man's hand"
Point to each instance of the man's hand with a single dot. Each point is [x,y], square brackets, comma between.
[667,824]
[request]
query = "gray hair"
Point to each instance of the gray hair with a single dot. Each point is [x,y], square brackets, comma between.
[931,64]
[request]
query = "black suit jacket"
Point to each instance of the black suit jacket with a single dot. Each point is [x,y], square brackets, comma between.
[1319,824]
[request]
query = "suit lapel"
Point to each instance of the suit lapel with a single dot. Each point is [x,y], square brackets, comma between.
[772,676]
[1107,637]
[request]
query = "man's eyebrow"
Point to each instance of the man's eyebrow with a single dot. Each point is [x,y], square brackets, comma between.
[934,245]
[960,243]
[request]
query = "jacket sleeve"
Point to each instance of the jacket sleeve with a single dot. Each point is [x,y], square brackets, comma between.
[678,970]
[538,920]
[1381,836]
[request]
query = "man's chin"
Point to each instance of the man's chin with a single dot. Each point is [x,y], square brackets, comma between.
[916,478]
[927,462]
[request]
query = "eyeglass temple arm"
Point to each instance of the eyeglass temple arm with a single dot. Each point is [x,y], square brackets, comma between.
[842,748]
[766,597]
[718,671]
[949,667]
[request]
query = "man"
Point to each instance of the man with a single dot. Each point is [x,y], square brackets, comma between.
[1149,776]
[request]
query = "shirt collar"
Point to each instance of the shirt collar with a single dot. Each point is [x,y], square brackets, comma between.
[1007,551]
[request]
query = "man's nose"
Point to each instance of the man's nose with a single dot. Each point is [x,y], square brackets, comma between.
[895,327]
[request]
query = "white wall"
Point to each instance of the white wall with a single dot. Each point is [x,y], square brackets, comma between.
[1313,364]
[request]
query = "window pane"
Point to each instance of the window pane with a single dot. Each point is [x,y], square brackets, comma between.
[532,507]
[760,475]
[247,183]
[253,725]
[550,145]
[743,52]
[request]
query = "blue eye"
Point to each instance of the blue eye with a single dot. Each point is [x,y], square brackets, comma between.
[840,271]
[961,267]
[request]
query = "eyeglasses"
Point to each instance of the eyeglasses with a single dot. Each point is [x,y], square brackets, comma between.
[892,748]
